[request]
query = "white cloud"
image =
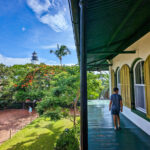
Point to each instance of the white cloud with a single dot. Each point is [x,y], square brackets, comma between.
[53,46]
[72,47]
[65,9]
[9,61]
[42,10]
[57,22]
[12,61]
[39,7]
[48,62]
[69,64]
[23,29]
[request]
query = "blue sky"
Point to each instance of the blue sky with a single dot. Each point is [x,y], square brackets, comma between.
[34,25]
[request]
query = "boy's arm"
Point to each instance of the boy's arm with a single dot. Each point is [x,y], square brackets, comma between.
[110,103]
[121,105]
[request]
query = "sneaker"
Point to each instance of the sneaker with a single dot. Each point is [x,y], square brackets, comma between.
[115,128]
[119,127]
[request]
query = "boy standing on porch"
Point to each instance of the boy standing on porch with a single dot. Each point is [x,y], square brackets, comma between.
[115,106]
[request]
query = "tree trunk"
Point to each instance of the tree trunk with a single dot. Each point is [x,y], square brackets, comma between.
[60,61]
[75,106]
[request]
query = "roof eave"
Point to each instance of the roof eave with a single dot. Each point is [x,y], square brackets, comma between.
[74,12]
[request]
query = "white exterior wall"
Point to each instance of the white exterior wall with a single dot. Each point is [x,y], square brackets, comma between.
[110,81]
[142,47]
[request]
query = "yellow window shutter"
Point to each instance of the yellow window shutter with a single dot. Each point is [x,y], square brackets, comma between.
[112,79]
[147,84]
[125,85]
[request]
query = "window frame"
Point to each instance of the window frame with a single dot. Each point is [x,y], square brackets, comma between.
[141,68]
[142,80]
[118,83]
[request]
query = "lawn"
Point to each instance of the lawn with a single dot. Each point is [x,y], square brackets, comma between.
[41,134]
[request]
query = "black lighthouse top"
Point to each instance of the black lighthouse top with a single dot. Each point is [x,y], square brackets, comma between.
[34,56]
[34,59]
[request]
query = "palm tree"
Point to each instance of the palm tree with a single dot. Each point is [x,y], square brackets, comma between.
[61,51]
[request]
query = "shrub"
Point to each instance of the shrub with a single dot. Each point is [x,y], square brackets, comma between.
[15,106]
[68,141]
[65,113]
[54,114]
[40,109]
[3,104]
[44,105]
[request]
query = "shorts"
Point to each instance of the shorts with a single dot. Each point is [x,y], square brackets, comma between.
[115,112]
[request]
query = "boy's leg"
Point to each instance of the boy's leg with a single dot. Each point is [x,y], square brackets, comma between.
[118,120]
[114,119]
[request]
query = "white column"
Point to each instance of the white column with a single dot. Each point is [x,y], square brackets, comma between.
[110,68]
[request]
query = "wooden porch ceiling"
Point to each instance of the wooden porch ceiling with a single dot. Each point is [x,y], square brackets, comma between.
[110,27]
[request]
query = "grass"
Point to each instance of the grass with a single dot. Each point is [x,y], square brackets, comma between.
[41,134]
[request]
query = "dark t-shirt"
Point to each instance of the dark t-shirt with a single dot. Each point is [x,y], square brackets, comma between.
[116,98]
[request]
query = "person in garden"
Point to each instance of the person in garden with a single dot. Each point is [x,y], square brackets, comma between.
[115,106]
[30,109]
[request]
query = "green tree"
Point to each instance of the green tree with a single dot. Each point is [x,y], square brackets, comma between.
[63,91]
[6,82]
[94,86]
[55,86]
[60,52]
[104,77]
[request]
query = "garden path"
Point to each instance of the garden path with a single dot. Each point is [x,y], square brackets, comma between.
[12,120]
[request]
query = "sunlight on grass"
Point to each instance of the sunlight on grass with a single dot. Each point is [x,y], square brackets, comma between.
[41,134]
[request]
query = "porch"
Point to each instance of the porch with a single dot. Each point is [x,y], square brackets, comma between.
[101,134]
[104,31]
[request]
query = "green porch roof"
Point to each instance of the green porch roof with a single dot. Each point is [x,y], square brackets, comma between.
[110,27]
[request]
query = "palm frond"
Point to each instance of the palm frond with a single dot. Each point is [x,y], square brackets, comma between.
[51,51]
[61,50]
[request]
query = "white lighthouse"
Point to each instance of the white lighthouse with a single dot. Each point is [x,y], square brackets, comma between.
[34,59]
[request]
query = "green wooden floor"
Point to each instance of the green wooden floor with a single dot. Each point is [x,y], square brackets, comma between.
[101,135]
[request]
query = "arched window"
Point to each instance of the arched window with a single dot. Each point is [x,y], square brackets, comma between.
[118,80]
[139,86]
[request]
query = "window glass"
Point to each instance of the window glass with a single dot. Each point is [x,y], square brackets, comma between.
[139,73]
[118,76]
[142,73]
